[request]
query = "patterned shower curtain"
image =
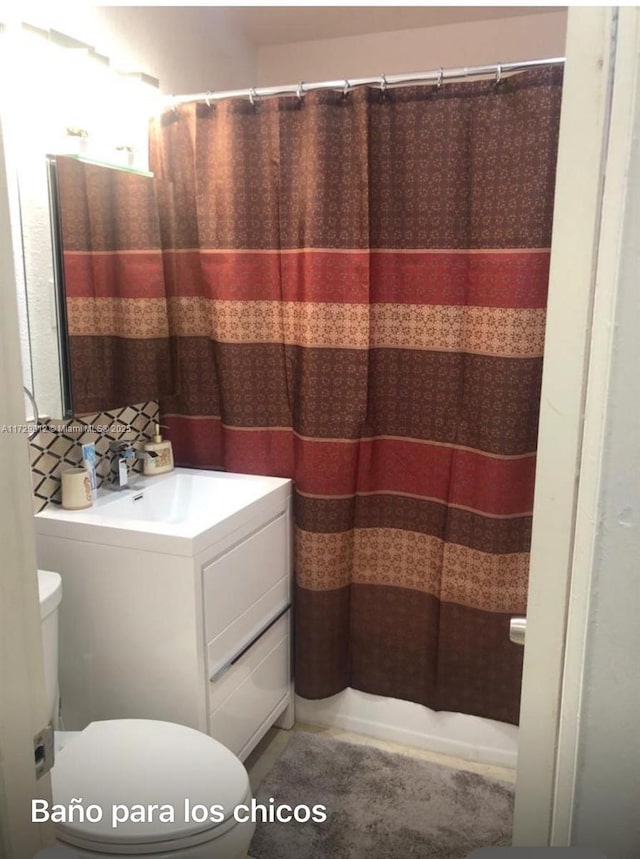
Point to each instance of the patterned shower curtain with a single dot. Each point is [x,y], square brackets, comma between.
[359,304]
[112,228]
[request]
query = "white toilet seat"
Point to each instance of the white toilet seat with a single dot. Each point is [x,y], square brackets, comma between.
[173,848]
[127,762]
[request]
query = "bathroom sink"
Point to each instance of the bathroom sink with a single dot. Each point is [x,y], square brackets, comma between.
[176,512]
[180,498]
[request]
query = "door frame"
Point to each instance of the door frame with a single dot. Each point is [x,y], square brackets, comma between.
[23,706]
[601,78]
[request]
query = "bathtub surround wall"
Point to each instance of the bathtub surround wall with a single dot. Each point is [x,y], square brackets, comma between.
[361,282]
[61,447]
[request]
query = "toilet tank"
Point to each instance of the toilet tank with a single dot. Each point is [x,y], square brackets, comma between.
[50,593]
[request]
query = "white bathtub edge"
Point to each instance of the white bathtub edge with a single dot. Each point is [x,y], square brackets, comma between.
[456,734]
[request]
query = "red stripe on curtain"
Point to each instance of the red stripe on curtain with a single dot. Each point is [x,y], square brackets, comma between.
[468,479]
[137,274]
[514,279]
[490,279]
[465,478]
[260,452]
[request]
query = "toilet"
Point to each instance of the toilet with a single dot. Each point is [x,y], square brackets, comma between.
[163,790]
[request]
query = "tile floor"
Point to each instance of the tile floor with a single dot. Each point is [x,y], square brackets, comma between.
[273,744]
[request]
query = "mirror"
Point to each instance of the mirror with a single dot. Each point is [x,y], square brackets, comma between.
[36,293]
[108,227]
[94,111]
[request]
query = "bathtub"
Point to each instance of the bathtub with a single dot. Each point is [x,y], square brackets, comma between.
[470,737]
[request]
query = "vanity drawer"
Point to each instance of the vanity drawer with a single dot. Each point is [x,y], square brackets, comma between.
[249,625]
[240,578]
[251,689]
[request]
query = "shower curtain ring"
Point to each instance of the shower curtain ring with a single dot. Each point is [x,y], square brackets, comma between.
[207,98]
[440,77]
[383,83]
[498,73]
[347,87]
[252,96]
[300,90]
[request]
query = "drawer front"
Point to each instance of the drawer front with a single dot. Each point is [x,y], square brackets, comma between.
[244,577]
[248,626]
[252,688]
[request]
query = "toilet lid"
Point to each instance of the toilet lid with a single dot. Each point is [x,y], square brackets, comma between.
[139,762]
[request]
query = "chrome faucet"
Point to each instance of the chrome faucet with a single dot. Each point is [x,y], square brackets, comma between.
[123,455]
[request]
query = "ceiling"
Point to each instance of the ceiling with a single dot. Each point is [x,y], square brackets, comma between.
[276,25]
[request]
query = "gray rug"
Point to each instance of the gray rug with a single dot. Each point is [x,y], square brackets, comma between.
[379,805]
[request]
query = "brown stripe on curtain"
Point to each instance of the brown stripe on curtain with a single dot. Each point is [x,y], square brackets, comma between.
[115,284]
[360,293]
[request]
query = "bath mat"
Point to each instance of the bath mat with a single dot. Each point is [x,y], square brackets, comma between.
[380,805]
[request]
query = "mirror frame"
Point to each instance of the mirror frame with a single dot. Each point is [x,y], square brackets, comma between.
[64,359]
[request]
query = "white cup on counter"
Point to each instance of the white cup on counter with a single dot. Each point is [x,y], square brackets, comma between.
[76,489]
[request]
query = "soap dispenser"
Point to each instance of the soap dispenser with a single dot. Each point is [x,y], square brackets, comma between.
[163,459]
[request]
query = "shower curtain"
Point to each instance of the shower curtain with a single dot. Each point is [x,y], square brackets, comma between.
[359,304]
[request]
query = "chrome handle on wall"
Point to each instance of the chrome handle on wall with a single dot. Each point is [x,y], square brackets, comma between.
[517,629]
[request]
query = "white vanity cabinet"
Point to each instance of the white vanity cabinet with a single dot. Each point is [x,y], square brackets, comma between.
[247,630]
[172,620]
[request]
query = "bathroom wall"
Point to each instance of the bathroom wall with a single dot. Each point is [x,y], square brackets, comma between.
[60,446]
[471,43]
[189,49]
[608,752]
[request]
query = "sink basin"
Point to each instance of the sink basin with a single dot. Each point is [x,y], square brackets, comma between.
[180,498]
[175,512]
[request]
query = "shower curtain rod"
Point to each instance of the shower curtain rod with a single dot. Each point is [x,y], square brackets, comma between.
[439,76]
